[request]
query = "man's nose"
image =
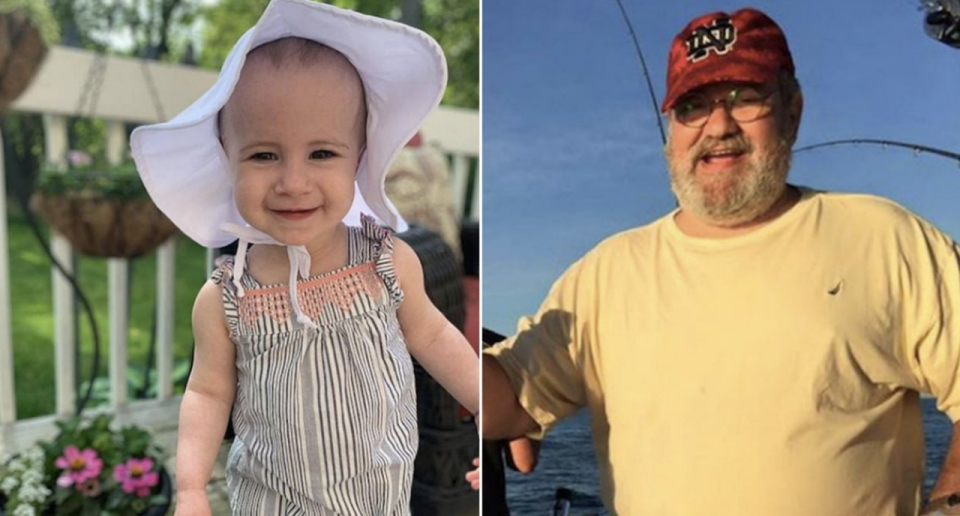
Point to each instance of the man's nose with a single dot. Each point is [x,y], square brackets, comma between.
[720,122]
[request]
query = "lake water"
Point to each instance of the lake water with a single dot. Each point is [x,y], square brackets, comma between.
[567,460]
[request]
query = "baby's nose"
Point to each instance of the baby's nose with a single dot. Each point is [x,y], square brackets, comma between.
[294,179]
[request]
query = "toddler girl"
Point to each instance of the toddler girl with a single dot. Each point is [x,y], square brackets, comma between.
[307,335]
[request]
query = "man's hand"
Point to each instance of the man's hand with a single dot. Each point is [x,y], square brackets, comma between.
[193,502]
[943,506]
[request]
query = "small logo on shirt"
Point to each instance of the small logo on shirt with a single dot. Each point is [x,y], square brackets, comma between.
[836,288]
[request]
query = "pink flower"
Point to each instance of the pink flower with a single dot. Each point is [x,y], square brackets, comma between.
[79,158]
[78,466]
[90,488]
[136,476]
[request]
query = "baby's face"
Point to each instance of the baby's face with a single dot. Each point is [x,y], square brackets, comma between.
[293,135]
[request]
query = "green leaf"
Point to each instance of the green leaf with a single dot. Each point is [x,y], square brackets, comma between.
[181,370]
[72,504]
[39,15]
[119,182]
[158,500]
[61,494]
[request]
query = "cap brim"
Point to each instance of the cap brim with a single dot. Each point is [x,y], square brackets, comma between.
[703,77]
[182,162]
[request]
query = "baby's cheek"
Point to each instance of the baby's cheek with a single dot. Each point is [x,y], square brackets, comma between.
[245,194]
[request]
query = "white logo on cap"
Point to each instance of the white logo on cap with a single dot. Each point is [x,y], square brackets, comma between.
[718,36]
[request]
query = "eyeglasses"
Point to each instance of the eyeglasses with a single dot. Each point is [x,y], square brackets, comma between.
[743,104]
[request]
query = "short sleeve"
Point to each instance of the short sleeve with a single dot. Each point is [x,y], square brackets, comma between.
[544,360]
[382,249]
[223,276]
[932,319]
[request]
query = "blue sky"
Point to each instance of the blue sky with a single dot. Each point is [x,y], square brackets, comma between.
[571,151]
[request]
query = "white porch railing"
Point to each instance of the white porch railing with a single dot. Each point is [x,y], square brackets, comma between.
[125,96]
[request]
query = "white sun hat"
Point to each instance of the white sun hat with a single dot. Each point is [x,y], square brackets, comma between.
[404,74]
[185,170]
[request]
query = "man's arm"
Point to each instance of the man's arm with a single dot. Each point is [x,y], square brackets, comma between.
[948,482]
[502,416]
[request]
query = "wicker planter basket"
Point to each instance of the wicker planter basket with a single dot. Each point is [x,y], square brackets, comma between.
[22,51]
[104,227]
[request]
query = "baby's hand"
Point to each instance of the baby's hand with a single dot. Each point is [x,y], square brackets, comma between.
[474,476]
[192,502]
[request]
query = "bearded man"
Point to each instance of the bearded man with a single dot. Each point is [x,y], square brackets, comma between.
[761,350]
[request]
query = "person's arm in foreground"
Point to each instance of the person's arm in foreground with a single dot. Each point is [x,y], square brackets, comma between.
[503,416]
[948,482]
[206,403]
[436,344]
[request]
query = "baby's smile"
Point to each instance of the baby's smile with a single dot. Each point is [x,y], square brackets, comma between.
[294,214]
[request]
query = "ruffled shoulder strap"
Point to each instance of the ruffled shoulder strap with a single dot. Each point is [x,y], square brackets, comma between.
[377,246]
[223,276]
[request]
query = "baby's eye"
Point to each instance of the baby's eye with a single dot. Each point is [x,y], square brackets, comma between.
[322,154]
[263,156]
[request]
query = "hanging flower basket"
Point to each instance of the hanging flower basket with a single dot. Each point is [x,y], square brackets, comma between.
[26,30]
[105,212]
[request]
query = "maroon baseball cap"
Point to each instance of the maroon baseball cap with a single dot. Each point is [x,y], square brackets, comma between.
[746,46]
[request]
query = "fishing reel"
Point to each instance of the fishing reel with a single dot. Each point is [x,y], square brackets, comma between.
[942,21]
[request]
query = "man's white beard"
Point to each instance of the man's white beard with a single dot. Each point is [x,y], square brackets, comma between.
[725,200]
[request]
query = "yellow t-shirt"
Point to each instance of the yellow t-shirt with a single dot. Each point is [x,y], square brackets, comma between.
[770,374]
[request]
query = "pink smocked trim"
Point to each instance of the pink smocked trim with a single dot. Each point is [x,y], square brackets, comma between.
[339,289]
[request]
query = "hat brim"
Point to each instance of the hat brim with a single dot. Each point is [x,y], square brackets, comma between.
[182,162]
[745,72]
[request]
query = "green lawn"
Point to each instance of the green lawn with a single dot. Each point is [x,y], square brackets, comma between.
[32,314]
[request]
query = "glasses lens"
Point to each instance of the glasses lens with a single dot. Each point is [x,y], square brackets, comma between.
[692,111]
[748,104]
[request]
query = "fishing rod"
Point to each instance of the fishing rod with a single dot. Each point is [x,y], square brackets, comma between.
[916,148]
[646,73]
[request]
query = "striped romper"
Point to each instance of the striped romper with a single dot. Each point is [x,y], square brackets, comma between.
[325,419]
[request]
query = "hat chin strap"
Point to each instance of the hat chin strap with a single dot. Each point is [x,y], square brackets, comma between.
[297,254]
